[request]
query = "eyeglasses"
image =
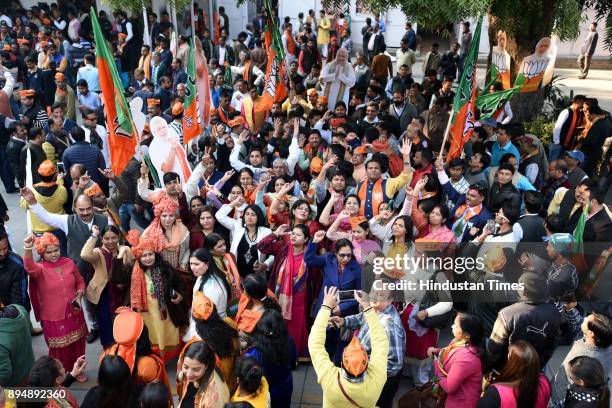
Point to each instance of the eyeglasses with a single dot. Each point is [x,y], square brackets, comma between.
[345,255]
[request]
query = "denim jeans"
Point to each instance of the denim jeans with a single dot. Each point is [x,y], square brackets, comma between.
[128,212]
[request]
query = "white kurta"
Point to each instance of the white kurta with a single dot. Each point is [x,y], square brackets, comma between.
[337,82]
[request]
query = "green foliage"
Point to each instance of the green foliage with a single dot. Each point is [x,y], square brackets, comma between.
[555,98]
[136,5]
[433,15]
[568,16]
[541,127]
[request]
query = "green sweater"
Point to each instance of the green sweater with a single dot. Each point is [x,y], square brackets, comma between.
[365,394]
[16,354]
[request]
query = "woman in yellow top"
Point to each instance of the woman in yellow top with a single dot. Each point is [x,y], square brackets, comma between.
[252,385]
[360,379]
[201,384]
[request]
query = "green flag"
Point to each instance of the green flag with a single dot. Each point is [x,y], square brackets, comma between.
[191,128]
[277,43]
[489,103]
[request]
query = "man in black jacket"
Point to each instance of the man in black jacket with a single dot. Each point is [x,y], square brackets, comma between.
[14,147]
[503,189]
[13,282]
[533,319]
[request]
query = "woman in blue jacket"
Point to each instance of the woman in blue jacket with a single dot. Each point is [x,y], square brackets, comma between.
[341,270]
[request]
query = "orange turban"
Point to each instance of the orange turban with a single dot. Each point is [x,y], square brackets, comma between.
[202,307]
[165,204]
[93,190]
[60,77]
[311,92]
[46,168]
[237,121]
[27,93]
[152,102]
[44,241]
[127,328]
[355,221]
[316,165]
[335,122]
[122,35]
[354,358]
[322,99]
[177,109]
[361,150]
[23,41]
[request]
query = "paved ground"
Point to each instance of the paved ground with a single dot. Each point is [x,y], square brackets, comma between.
[307,392]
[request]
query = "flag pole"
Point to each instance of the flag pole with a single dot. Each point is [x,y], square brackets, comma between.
[192,11]
[147,37]
[447,131]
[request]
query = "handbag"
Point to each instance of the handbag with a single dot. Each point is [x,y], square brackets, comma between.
[348,398]
[431,298]
[429,395]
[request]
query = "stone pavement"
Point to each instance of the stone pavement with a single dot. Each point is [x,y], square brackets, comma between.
[306,391]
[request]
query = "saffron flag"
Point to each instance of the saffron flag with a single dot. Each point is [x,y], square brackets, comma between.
[462,121]
[204,97]
[489,104]
[122,135]
[191,127]
[216,32]
[274,88]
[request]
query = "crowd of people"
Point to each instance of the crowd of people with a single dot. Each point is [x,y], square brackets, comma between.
[259,249]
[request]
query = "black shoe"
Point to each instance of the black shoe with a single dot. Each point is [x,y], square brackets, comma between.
[93,336]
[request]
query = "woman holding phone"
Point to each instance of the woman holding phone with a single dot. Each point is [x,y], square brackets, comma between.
[56,290]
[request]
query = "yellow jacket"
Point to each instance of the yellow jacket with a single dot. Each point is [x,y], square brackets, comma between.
[53,204]
[365,393]
[323,33]
[261,399]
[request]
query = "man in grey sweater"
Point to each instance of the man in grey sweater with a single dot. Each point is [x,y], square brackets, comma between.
[587,50]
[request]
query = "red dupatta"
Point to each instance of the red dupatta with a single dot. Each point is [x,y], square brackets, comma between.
[288,280]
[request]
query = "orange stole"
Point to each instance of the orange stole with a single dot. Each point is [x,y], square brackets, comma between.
[378,196]
[254,113]
[246,319]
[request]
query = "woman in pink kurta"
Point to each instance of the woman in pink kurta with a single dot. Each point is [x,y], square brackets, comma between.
[59,289]
[288,278]
[458,366]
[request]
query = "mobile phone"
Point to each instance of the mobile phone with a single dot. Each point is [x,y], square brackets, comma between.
[491,227]
[344,295]
[173,294]
[60,167]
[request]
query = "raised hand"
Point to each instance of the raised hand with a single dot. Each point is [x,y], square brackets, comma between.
[318,236]
[406,149]
[244,136]
[84,180]
[282,230]
[108,174]
[95,231]
[420,184]
[28,195]
[29,241]
[330,295]
[229,174]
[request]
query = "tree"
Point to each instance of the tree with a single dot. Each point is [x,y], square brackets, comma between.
[137,5]
[525,22]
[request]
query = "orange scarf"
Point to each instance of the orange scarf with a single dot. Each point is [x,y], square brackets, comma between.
[291,47]
[138,289]
[247,319]
[247,70]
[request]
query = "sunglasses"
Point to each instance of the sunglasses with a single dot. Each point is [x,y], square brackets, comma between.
[345,255]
